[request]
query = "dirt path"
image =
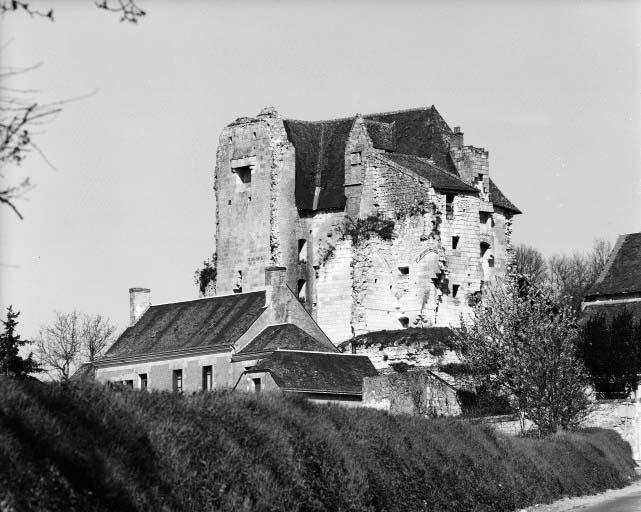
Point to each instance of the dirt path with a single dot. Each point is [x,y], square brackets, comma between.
[627,499]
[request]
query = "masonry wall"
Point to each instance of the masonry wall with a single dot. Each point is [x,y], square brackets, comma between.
[383,357]
[413,392]
[160,373]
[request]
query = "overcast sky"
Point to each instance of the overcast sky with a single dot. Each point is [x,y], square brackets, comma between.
[552,90]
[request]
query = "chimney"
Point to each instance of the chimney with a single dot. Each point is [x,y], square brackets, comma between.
[457,138]
[275,280]
[139,302]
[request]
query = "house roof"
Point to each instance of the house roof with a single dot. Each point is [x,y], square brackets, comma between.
[430,336]
[498,198]
[320,148]
[317,372]
[285,336]
[622,272]
[611,310]
[201,323]
[439,178]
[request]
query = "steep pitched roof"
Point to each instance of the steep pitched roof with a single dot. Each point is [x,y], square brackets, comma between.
[430,336]
[498,198]
[317,372]
[201,323]
[622,272]
[439,178]
[285,336]
[320,149]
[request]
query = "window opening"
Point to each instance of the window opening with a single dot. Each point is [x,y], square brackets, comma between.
[455,288]
[302,250]
[404,321]
[208,383]
[178,381]
[455,240]
[484,247]
[238,285]
[143,381]
[244,177]
[449,206]
[404,270]
[490,261]
[129,384]
[257,385]
[302,290]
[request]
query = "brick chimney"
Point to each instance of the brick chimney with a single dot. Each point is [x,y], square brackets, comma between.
[457,138]
[275,280]
[139,302]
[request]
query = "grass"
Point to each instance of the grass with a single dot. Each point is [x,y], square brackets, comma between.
[83,447]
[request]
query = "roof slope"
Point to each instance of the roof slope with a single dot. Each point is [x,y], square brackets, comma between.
[498,198]
[622,272]
[439,178]
[317,372]
[200,323]
[285,336]
[611,310]
[430,336]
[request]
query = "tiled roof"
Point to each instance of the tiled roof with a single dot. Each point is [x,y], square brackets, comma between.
[440,179]
[320,149]
[622,272]
[201,323]
[382,134]
[413,336]
[612,310]
[498,199]
[317,372]
[285,336]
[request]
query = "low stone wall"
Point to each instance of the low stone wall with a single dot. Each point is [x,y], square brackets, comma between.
[622,416]
[411,392]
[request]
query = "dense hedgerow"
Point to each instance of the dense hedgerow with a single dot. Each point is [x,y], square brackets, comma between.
[87,448]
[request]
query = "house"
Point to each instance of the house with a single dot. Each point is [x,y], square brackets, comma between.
[618,287]
[382,221]
[232,341]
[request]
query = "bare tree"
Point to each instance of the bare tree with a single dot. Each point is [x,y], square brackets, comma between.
[59,345]
[97,335]
[127,9]
[530,263]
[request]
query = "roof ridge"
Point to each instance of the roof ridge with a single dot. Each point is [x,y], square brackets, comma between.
[318,352]
[207,298]
[364,116]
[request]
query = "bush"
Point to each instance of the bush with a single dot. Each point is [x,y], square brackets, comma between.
[83,447]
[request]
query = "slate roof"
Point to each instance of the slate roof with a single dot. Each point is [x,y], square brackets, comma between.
[622,272]
[285,336]
[612,310]
[317,372]
[431,336]
[498,198]
[440,179]
[383,135]
[201,323]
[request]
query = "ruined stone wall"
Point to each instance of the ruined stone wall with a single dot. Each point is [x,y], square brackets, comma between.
[413,392]
[383,357]
[256,215]
[622,416]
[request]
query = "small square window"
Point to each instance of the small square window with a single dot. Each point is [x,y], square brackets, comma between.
[129,383]
[403,270]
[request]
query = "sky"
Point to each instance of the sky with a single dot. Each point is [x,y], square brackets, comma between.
[551,89]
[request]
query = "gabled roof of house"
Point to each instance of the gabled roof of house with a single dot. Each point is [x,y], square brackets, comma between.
[498,198]
[317,372]
[201,323]
[622,272]
[437,337]
[285,336]
[439,178]
[609,311]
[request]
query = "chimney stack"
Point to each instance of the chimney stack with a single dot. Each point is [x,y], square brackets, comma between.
[457,138]
[275,279]
[139,302]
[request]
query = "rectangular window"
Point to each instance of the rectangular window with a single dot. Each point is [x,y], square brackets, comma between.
[257,385]
[302,250]
[143,381]
[455,288]
[455,240]
[178,381]
[243,178]
[129,383]
[403,270]
[449,206]
[208,381]
[355,158]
